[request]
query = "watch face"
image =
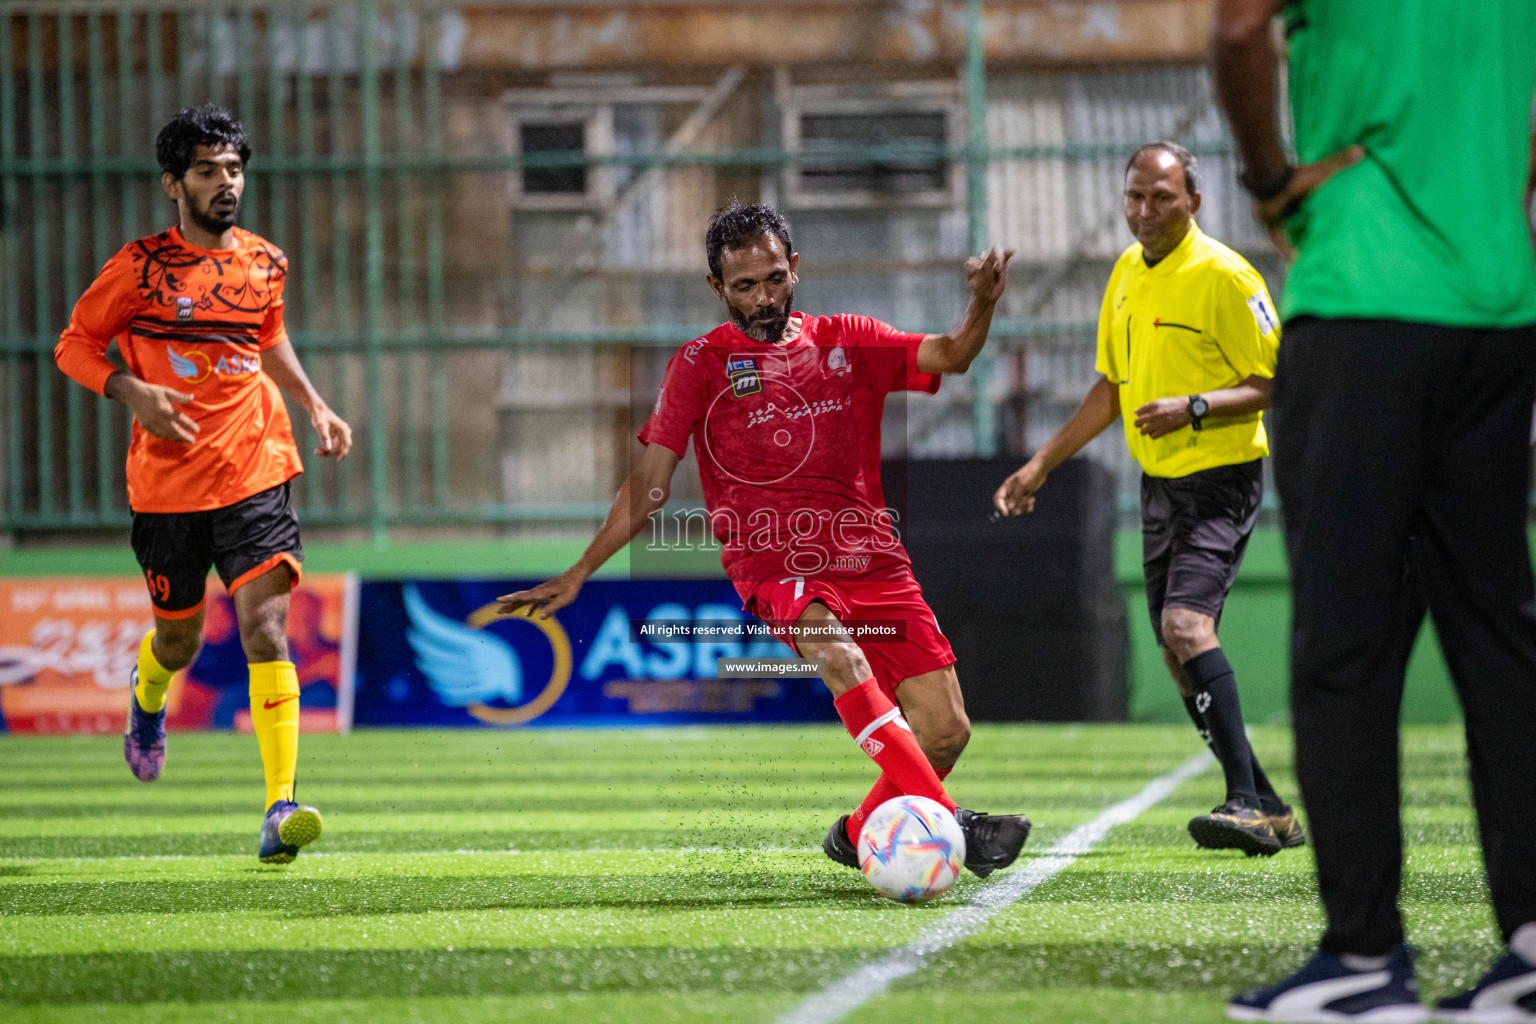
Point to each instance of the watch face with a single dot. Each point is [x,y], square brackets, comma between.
[1199,406]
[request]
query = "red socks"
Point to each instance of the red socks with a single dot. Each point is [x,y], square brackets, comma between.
[882,792]
[875,723]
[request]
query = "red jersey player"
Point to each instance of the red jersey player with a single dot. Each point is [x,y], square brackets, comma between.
[784,411]
[197,313]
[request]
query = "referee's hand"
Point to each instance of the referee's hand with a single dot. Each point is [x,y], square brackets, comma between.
[1307,178]
[1163,417]
[1017,493]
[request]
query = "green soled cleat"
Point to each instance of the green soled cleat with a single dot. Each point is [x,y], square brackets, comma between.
[287,828]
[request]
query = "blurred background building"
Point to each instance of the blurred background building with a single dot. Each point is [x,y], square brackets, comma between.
[494,214]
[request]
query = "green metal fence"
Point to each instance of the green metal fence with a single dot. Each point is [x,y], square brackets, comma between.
[78,170]
[345,103]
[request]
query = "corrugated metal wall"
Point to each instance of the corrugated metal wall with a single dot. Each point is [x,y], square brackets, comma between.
[493,343]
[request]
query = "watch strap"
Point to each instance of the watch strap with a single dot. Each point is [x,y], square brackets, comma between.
[1196,415]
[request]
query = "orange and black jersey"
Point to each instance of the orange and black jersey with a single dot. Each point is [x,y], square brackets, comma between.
[196,320]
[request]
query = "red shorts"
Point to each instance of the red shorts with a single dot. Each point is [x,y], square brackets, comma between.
[891,622]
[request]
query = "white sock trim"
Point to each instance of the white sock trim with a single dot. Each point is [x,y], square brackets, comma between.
[894,713]
[1355,962]
[1523,942]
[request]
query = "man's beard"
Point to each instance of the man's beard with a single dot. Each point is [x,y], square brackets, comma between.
[766,326]
[214,220]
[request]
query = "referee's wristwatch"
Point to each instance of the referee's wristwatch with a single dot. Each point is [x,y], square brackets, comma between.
[1198,407]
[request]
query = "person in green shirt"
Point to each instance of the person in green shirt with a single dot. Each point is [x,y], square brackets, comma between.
[1402,428]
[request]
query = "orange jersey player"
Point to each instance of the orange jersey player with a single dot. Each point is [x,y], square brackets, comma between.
[197,313]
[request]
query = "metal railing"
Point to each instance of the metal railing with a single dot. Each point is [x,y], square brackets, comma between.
[357,177]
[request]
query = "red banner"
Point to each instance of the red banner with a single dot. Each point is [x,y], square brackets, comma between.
[68,644]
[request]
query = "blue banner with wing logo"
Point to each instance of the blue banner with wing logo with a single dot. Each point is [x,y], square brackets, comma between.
[625,653]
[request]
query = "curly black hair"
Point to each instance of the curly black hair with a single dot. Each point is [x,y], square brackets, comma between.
[735,226]
[207,125]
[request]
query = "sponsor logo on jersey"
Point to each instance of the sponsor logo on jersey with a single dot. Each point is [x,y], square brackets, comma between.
[744,374]
[194,367]
[183,307]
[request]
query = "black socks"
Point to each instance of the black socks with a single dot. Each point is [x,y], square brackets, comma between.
[1269,800]
[1217,703]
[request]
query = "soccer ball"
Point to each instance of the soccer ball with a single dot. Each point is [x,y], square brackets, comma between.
[911,849]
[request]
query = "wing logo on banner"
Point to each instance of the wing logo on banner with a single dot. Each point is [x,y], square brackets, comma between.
[464,666]
[468,667]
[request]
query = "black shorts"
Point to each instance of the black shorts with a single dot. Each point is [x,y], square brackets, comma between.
[243,541]
[1194,530]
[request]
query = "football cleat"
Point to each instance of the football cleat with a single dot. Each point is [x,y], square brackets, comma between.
[1326,990]
[1236,826]
[992,841]
[144,737]
[1505,995]
[1287,829]
[287,827]
[838,847]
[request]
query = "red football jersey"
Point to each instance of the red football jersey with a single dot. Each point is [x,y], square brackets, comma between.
[788,443]
[196,320]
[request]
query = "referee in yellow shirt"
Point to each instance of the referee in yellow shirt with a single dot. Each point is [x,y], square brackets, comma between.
[1187,339]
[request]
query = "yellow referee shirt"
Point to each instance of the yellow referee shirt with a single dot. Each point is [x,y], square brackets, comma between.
[1201,320]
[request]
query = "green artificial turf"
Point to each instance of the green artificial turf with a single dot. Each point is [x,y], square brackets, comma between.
[654,875]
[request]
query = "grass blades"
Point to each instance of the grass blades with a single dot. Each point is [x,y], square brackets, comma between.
[658,875]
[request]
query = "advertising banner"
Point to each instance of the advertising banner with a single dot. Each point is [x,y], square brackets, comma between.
[67,646]
[625,653]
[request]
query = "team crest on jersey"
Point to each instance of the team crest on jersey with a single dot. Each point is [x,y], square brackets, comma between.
[183,307]
[837,361]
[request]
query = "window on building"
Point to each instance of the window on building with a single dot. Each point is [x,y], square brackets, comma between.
[893,174]
[553,137]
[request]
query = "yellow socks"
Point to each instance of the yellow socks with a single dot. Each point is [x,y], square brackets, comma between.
[153,676]
[275,717]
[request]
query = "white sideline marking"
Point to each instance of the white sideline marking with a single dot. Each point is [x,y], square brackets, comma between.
[841,998]
[311,854]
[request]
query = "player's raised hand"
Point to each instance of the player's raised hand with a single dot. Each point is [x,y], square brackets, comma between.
[546,598]
[1304,181]
[334,434]
[1163,417]
[1017,493]
[154,407]
[987,274]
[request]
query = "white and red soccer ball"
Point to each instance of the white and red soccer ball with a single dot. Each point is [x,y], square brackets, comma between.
[911,849]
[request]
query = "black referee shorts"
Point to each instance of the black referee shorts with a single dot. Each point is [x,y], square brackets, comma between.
[242,541]
[1194,530]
